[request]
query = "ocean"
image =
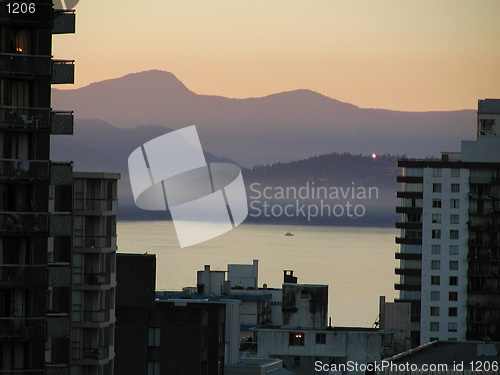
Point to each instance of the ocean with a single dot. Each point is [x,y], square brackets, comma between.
[357,263]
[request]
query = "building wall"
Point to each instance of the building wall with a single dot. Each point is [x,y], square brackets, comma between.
[444,254]
[305,306]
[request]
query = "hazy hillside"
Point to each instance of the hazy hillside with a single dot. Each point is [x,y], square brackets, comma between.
[99,146]
[281,127]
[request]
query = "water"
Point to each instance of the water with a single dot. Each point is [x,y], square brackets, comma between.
[357,263]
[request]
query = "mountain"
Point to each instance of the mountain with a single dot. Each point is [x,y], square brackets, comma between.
[99,146]
[281,127]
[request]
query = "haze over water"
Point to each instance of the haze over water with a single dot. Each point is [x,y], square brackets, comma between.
[357,263]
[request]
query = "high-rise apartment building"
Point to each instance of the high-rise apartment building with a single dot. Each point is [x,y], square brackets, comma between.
[94,273]
[450,238]
[35,194]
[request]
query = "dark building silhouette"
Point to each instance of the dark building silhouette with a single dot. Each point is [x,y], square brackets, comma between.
[163,337]
[35,194]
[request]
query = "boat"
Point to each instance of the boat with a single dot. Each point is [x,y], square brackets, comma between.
[289,234]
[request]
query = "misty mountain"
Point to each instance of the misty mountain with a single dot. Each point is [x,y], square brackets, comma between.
[281,127]
[99,146]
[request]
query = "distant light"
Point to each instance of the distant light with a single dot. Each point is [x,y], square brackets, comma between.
[19,49]
[374,156]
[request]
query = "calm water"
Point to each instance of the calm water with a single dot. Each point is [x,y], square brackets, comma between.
[357,263]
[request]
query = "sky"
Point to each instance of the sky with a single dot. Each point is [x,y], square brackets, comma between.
[393,54]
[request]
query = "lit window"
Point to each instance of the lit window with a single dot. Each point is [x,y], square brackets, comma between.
[296,339]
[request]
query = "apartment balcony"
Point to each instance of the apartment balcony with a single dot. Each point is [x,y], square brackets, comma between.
[26,66]
[408,271]
[64,22]
[95,316]
[406,225]
[409,210]
[91,355]
[36,120]
[95,244]
[408,241]
[410,194]
[92,206]
[484,180]
[16,275]
[24,223]
[23,328]
[24,170]
[410,179]
[42,17]
[408,256]
[63,71]
[408,287]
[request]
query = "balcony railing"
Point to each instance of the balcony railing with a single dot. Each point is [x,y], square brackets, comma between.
[15,274]
[94,204]
[97,242]
[95,279]
[26,328]
[25,118]
[98,316]
[20,63]
[95,353]
[23,223]
[63,71]
[28,170]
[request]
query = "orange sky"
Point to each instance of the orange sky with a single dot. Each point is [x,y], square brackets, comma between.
[393,54]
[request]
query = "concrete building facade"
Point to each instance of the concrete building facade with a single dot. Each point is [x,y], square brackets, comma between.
[450,238]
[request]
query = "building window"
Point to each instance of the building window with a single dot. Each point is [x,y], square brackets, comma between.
[436,218]
[434,311]
[296,361]
[153,336]
[435,264]
[436,233]
[153,368]
[454,219]
[452,311]
[453,265]
[437,172]
[455,188]
[453,249]
[453,280]
[454,203]
[436,203]
[434,326]
[453,296]
[453,234]
[455,172]
[435,280]
[320,338]
[434,296]
[452,327]
[436,249]
[436,188]
[296,339]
